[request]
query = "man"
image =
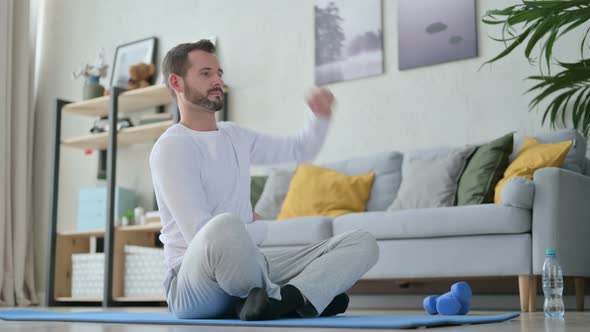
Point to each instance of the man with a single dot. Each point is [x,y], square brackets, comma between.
[200,171]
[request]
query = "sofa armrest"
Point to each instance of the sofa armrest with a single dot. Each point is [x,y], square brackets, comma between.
[561,220]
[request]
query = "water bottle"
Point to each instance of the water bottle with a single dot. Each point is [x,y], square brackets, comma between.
[552,286]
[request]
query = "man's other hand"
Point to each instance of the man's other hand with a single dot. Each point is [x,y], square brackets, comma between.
[320,101]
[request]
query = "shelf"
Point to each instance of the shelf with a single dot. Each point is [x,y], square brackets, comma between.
[125,136]
[91,233]
[149,227]
[139,299]
[66,244]
[78,299]
[129,101]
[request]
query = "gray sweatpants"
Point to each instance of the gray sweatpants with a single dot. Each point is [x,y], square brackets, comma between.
[223,263]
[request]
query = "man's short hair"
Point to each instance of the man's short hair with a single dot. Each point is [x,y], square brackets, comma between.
[176,60]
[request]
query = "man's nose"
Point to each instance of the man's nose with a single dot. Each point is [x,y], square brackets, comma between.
[218,81]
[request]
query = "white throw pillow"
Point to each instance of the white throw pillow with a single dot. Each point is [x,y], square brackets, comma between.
[431,181]
[274,193]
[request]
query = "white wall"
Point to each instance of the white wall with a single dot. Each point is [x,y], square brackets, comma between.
[267,50]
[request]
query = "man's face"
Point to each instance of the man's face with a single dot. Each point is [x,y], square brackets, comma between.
[203,83]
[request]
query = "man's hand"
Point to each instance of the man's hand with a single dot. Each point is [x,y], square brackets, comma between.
[320,101]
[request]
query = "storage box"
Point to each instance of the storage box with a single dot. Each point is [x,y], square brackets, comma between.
[87,275]
[144,272]
[92,206]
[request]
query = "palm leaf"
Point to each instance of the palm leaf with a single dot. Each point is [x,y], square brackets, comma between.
[538,25]
[572,84]
[501,12]
[548,19]
[579,20]
[514,44]
[577,111]
[548,47]
[585,126]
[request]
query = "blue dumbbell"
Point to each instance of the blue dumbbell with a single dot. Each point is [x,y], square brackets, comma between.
[429,304]
[455,302]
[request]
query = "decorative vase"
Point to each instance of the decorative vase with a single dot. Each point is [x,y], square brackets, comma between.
[92,89]
[139,215]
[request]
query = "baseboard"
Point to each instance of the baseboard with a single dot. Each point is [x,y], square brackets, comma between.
[479,302]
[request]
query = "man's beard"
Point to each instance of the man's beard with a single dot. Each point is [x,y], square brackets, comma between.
[197,98]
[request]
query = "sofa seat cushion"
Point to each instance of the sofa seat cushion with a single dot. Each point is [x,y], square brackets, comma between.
[296,231]
[438,222]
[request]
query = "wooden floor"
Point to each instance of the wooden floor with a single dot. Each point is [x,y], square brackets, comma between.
[574,322]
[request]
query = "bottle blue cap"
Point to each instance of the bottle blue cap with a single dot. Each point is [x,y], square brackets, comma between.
[550,251]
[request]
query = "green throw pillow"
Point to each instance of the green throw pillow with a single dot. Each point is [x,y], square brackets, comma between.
[484,170]
[256,186]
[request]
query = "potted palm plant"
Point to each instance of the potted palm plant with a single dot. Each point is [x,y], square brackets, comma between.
[537,25]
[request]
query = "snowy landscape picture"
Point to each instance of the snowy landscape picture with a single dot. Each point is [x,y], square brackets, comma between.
[348,40]
[435,31]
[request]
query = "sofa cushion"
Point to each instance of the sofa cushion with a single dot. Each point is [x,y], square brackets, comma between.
[429,153]
[257,183]
[576,158]
[386,165]
[484,169]
[438,222]
[465,256]
[518,192]
[388,176]
[532,156]
[320,191]
[296,231]
[273,194]
[431,181]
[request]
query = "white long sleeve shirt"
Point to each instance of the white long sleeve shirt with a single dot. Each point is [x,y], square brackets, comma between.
[200,174]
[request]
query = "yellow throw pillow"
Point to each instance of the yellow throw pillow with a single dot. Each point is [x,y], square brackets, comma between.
[318,191]
[532,156]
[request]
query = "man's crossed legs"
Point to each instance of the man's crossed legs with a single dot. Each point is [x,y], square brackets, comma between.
[223,270]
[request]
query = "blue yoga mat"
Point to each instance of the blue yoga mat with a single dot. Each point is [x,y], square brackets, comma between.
[394,321]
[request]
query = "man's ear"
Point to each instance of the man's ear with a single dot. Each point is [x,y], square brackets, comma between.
[176,83]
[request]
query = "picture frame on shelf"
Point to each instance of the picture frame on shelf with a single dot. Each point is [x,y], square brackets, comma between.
[140,51]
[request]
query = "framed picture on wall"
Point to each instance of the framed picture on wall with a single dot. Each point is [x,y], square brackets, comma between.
[140,51]
[348,40]
[446,31]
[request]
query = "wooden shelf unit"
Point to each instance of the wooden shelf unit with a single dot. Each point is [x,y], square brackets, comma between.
[63,245]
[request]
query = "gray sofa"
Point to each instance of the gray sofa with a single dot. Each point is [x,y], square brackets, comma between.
[487,240]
